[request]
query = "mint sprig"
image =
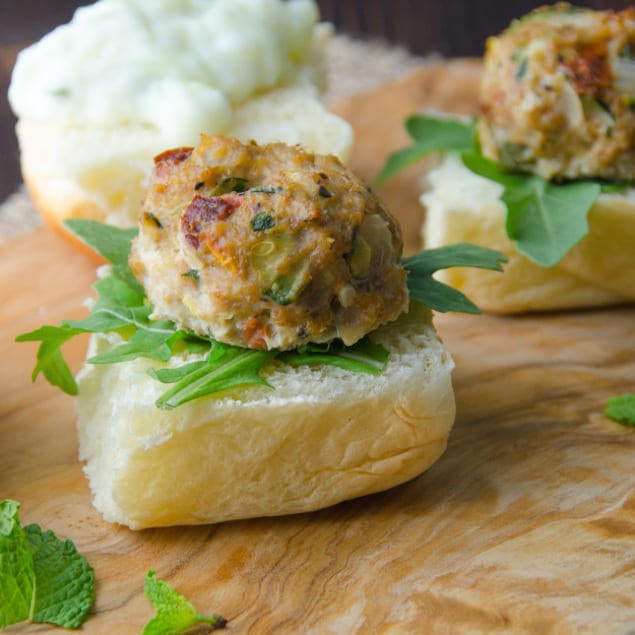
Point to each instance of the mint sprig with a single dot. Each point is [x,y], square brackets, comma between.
[175,614]
[544,219]
[622,409]
[42,578]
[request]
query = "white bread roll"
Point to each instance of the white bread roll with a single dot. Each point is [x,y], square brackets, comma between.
[98,98]
[323,435]
[600,270]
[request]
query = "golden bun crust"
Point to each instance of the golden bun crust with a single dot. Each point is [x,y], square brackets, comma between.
[324,435]
[599,271]
[100,172]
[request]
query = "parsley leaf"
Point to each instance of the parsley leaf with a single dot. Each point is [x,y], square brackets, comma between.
[430,134]
[437,295]
[175,614]
[544,219]
[42,578]
[622,409]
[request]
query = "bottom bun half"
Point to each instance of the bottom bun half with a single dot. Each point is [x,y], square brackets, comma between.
[464,207]
[321,436]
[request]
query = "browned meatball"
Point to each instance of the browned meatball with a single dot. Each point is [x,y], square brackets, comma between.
[558,94]
[269,247]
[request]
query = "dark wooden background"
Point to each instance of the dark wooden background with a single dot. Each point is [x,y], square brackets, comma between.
[453,28]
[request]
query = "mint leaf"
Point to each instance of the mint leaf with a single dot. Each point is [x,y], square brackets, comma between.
[65,582]
[544,219]
[437,295]
[42,578]
[175,614]
[17,575]
[234,367]
[622,409]
[364,356]
[430,134]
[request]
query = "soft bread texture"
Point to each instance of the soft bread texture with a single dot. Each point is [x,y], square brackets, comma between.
[600,270]
[322,436]
[100,171]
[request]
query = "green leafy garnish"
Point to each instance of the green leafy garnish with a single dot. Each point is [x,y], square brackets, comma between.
[42,578]
[430,134]
[437,295]
[544,219]
[122,307]
[364,356]
[262,221]
[622,409]
[233,367]
[175,614]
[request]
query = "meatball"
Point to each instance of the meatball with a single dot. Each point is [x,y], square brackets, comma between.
[267,246]
[558,94]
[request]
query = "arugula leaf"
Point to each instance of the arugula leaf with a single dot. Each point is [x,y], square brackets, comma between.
[112,243]
[50,360]
[233,367]
[175,614]
[437,295]
[622,409]
[544,219]
[364,356]
[123,307]
[430,134]
[42,578]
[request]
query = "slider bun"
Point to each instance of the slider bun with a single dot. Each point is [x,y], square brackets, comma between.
[324,435]
[100,171]
[600,270]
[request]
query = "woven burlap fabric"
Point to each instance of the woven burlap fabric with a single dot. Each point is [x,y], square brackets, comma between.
[355,66]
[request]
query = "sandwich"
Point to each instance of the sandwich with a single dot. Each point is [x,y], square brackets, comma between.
[259,346]
[544,172]
[97,98]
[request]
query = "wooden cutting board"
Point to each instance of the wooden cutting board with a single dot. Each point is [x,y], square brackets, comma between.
[526,524]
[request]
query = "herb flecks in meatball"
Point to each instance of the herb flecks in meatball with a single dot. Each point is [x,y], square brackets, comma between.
[288,247]
[558,93]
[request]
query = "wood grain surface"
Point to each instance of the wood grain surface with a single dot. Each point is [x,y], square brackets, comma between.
[526,525]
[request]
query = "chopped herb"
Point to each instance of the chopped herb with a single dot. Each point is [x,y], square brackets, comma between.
[152,218]
[522,69]
[262,221]
[324,192]
[622,409]
[229,184]
[267,190]
[192,273]
[61,92]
